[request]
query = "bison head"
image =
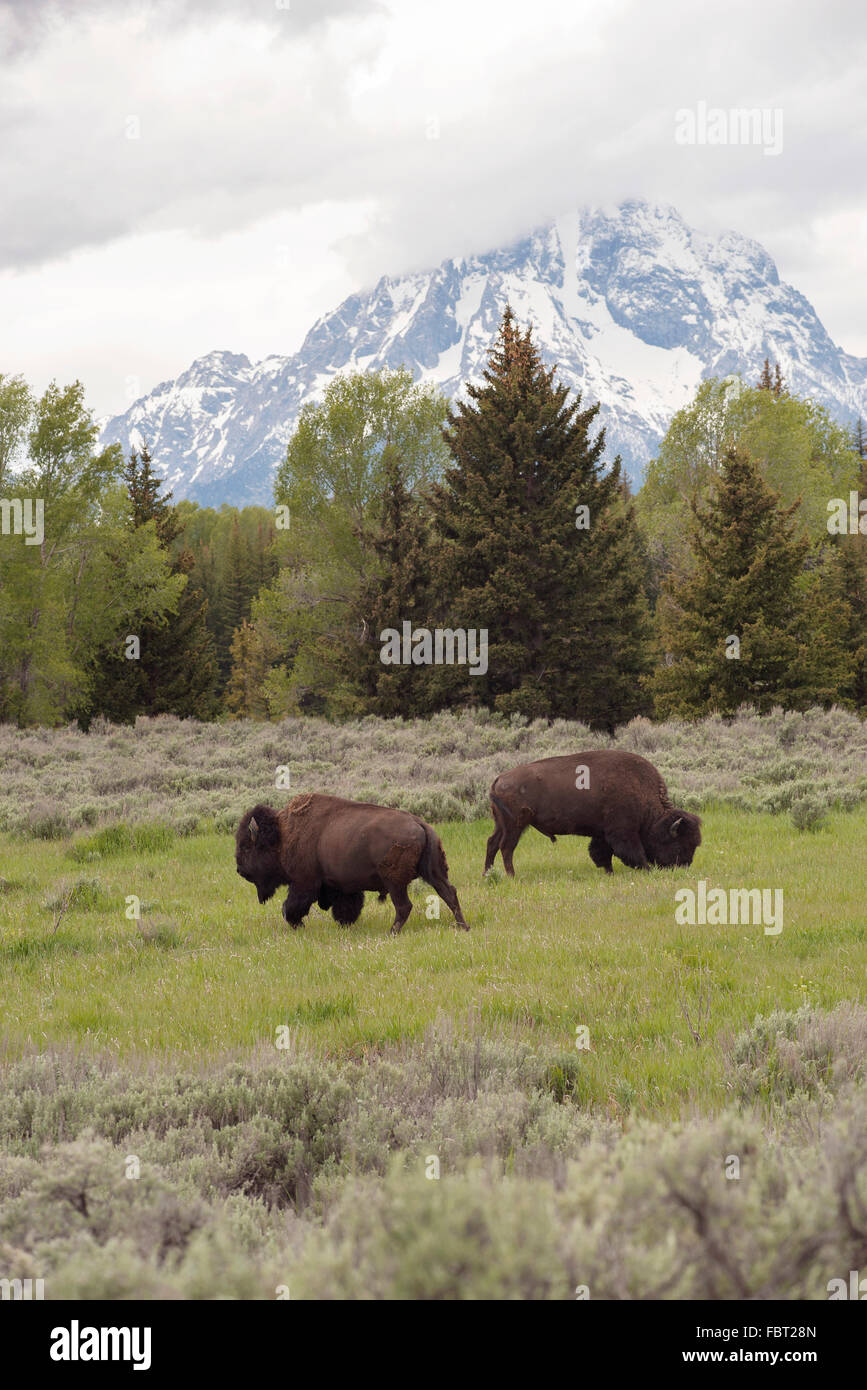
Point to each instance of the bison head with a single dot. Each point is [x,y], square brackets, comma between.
[673,840]
[257,851]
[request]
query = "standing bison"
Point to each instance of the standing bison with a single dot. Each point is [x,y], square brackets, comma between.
[617,798]
[331,852]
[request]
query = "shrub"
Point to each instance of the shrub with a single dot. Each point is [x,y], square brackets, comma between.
[271,1171]
[47,821]
[86,895]
[174,771]
[121,839]
[809,813]
[812,1051]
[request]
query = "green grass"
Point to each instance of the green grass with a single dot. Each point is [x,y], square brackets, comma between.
[208,971]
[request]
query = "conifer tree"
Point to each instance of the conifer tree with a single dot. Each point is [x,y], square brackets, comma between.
[245,691]
[847,581]
[236,591]
[772,382]
[179,666]
[146,503]
[398,593]
[175,671]
[743,626]
[535,541]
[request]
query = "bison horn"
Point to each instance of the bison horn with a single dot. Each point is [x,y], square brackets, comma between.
[254,829]
[675,824]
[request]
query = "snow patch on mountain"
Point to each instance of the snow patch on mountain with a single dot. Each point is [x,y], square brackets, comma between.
[634,306]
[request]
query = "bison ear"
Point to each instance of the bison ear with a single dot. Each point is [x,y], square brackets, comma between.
[674,826]
[254,829]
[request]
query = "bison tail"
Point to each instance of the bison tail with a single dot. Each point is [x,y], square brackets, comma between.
[432,865]
[501,806]
[433,868]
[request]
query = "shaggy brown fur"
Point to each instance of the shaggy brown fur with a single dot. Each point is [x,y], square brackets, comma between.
[624,808]
[332,851]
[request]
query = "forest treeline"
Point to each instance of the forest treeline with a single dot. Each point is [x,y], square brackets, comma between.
[494,533]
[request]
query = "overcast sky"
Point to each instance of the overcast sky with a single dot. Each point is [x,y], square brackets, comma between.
[184,175]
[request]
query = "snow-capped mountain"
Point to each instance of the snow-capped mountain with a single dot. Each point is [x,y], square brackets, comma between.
[633,305]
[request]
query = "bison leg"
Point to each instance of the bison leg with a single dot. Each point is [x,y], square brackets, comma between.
[297,905]
[493,846]
[402,906]
[511,836]
[628,847]
[449,897]
[600,852]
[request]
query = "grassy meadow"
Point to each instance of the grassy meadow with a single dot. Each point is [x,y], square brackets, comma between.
[288,1098]
[206,969]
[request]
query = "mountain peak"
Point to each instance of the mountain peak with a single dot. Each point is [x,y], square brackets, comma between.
[633,305]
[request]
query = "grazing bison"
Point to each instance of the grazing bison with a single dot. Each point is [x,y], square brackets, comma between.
[331,852]
[617,798]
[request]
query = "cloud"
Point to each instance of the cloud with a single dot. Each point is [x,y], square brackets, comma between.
[459,126]
[28,24]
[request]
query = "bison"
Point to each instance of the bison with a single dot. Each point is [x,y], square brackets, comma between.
[331,852]
[617,798]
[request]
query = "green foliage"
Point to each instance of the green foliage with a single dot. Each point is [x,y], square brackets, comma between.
[398,589]
[743,582]
[335,480]
[799,451]
[152,838]
[16,409]
[85,583]
[85,895]
[234,555]
[175,670]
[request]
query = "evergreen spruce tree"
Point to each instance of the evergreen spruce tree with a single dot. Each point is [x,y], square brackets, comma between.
[766,380]
[245,691]
[772,381]
[744,626]
[847,579]
[236,591]
[535,541]
[399,593]
[176,671]
[143,489]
